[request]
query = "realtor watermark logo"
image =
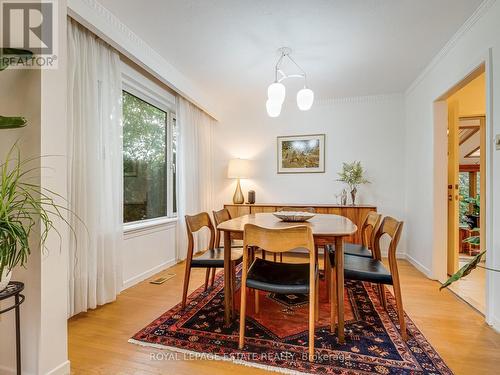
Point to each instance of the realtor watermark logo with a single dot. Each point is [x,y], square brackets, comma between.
[29,34]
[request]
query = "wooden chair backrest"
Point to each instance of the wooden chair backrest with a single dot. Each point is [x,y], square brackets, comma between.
[220,217]
[369,228]
[194,224]
[298,209]
[393,229]
[279,240]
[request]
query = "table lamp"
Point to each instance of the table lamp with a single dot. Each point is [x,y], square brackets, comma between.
[238,168]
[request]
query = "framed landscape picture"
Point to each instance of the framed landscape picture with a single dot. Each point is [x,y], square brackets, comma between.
[301,154]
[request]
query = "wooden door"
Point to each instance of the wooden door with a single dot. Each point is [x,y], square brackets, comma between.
[453,192]
[482,183]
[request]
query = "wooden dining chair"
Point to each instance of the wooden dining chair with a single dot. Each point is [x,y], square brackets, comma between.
[368,231]
[281,278]
[210,258]
[222,216]
[372,269]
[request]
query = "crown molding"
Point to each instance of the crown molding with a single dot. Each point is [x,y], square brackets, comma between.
[464,29]
[99,20]
[361,99]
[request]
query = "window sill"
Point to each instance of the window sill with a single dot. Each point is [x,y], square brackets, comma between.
[148,224]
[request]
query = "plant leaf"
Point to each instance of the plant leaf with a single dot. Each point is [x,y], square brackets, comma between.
[12,122]
[464,271]
[20,54]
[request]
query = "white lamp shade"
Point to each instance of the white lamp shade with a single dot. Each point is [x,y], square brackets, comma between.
[273,108]
[238,168]
[276,92]
[305,99]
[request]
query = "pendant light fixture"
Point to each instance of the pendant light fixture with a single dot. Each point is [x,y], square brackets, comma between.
[276,92]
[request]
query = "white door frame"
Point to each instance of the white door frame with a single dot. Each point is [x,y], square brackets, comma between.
[440,180]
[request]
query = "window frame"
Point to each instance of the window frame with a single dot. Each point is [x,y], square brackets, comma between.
[171,165]
[138,85]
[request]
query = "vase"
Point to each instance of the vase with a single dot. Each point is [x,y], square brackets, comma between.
[238,197]
[343,198]
[353,196]
[5,278]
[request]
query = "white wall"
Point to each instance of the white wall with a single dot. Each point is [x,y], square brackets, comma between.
[479,37]
[20,91]
[147,251]
[40,96]
[54,266]
[368,129]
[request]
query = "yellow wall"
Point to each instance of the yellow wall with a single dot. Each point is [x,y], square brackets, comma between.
[471,98]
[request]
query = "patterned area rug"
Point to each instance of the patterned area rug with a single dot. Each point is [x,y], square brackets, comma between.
[276,338]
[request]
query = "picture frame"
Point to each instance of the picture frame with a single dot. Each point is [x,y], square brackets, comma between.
[301,154]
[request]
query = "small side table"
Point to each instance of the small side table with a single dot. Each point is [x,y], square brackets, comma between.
[14,289]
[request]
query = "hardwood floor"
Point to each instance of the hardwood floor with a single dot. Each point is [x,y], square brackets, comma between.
[98,339]
[472,288]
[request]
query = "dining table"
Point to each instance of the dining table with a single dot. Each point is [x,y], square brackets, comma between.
[327,229]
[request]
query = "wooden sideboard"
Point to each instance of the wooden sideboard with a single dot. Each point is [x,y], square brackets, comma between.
[355,213]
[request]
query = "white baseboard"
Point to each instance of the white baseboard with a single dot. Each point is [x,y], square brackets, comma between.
[4,370]
[399,254]
[63,369]
[419,266]
[146,274]
[495,323]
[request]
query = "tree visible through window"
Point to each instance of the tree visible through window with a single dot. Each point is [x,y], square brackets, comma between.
[146,165]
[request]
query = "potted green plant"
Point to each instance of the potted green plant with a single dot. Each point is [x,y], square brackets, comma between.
[23,205]
[7,57]
[352,174]
[472,217]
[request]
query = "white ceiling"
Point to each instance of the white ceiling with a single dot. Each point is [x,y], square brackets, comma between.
[347,47]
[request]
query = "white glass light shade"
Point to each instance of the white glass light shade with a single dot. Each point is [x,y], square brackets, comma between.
[276,92]
[273,108]
[305,99]
[238,168]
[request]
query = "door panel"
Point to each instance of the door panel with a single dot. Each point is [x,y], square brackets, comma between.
[453,192]
[482,182]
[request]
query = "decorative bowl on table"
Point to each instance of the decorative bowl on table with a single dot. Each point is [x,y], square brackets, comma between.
[294,216]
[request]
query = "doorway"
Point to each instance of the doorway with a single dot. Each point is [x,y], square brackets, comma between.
[466,185]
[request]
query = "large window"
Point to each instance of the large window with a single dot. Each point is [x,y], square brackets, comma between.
[149,156]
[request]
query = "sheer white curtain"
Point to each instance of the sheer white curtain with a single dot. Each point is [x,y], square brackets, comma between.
[195,168]
[95,163]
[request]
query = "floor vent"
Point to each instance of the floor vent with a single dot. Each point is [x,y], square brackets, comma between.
[161,280]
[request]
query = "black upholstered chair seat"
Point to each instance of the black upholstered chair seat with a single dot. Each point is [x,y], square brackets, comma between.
[357,250]
[363,269]
[215,258]
[280,278]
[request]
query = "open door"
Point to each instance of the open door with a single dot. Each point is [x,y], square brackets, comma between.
[453,189]
[482,182]
[462,168]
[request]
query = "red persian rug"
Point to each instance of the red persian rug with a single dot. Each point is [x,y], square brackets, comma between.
[276,338]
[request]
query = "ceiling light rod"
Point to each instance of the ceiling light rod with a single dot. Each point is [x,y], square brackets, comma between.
[276,91]
[285,52]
